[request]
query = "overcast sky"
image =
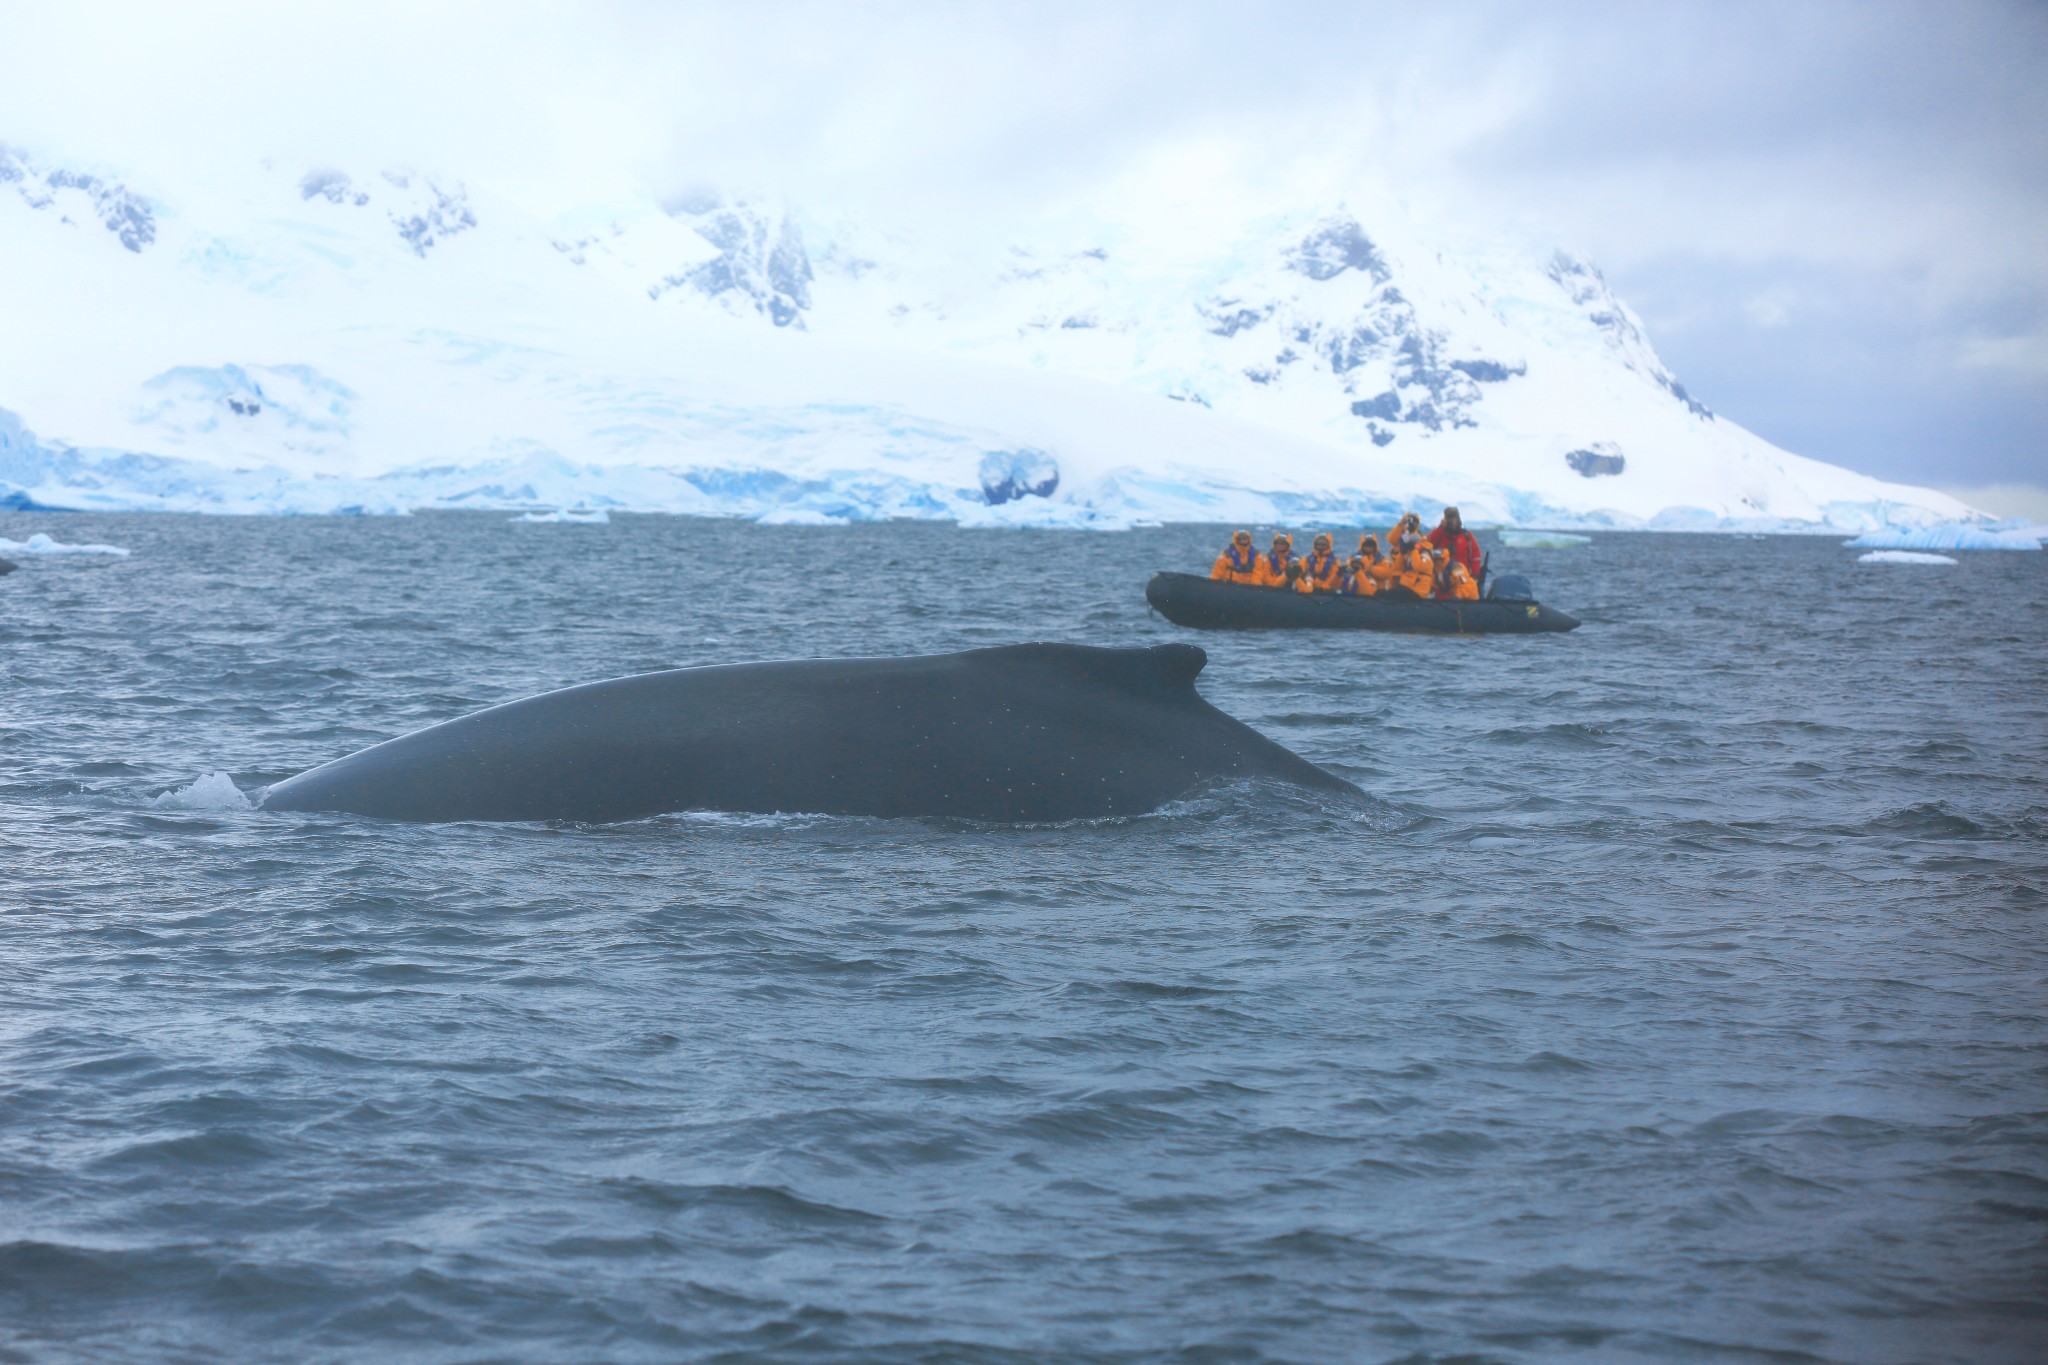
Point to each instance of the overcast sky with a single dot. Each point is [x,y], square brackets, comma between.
[1831,216]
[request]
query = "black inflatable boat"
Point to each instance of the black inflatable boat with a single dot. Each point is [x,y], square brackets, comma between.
[1190,600]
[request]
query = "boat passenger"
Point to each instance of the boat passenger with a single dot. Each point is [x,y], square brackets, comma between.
[1239,563]
[1414,566]
[1451,539]
[1365,570]
[1456,584]
[1386,568]
[1357,579]
[1410,524]
[1272,571]
[1321,570]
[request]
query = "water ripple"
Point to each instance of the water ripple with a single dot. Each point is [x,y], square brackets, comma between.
[1676,993]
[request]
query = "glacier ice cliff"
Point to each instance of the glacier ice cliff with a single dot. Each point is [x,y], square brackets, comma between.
[2001,535]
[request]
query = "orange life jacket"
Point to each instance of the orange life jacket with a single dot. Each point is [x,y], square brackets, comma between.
[1417,571]
[1321,572]
[1459,585]
[1272,571]
[1359,584]
[1230,568]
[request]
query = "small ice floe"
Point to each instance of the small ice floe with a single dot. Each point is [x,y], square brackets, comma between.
[1902,557]
[41,544]
[1542,540]
[215,791]
[569,516]
[1955,535]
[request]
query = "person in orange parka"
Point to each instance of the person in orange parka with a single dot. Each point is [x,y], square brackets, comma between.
[1273,564]
[1409,524]
[1456,584]
[1365,566]
[1239,563]
[1321,570]
[1415,566]
[1357,579]
[1386,568]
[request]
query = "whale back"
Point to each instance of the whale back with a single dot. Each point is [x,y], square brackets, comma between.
[1012,733]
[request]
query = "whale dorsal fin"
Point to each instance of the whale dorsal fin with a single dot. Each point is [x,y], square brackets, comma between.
[1178,665]
[1162,668]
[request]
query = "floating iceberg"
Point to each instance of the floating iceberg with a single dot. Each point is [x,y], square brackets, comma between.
[41,544]
[567,516]
[1902,557]
[1955,535]
[1542,540]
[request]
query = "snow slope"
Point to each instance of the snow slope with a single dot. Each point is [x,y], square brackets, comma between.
[321,339]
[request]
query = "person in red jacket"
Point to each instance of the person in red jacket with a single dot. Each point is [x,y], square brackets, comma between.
[1456,545]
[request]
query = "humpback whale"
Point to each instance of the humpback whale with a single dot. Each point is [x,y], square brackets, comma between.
[1017,733]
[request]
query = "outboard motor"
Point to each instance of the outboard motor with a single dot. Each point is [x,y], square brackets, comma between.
[1511,587]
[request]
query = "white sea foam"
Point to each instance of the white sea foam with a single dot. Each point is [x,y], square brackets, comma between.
[1954,535]
[1542,540]
[41,544]
[215,791]
[1902,557]
[729,819]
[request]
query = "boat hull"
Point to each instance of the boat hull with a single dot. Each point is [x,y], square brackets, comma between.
[1206,604]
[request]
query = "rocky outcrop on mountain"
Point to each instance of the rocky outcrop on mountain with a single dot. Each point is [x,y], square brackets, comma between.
[1394,368]
[1353,322]
[336,187]
[422,210]
[1601,459]
[113,205]
[761,264]
[1336,245]
[433,213]
[1007,475]
[1588,290]
[1328,300]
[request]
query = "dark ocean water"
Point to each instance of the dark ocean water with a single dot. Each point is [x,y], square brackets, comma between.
[1681,993]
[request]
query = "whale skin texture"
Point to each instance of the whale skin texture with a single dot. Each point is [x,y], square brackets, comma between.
[1011,734]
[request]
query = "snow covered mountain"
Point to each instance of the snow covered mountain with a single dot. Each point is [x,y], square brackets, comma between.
[319,338]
